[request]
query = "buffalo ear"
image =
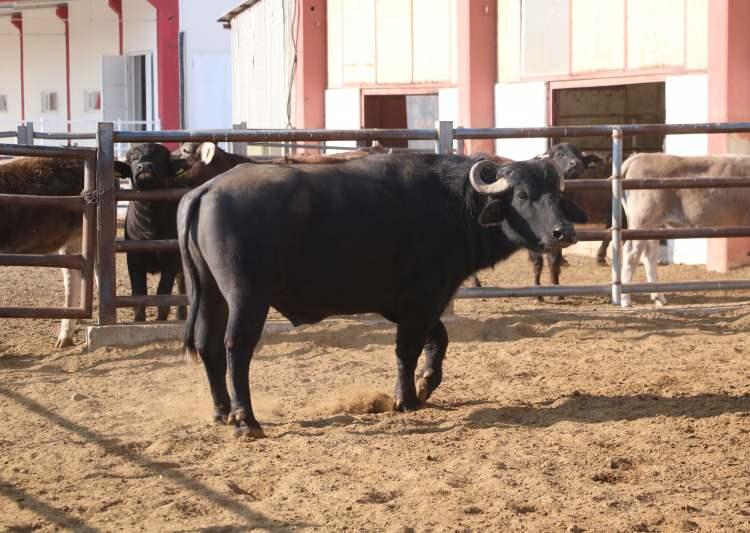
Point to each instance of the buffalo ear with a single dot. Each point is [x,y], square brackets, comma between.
[493,213]
[122,170]
[572,212]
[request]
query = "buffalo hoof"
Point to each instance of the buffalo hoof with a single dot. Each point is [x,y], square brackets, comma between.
[426,385]
[406,406]
[659,300]
[221,418]
[423,390]
[540,299]
[244,430]
[64,342]
[564,262]
[601,262]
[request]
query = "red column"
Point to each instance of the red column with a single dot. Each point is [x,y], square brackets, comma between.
[167,30]
[311,76]
[477,68]
[17,20]
[116,6]
[62,13]
[728,101]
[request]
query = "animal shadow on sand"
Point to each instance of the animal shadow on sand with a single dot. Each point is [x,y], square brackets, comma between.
[593,409]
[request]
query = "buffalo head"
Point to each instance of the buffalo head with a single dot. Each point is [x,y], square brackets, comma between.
[150,166]
[524,199]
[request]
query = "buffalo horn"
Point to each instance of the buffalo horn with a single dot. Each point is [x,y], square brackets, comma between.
[480,186]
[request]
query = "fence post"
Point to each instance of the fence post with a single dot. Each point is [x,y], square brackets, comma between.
[239,147]
[616,215]
[106,224]
[21,136]
[444,145]
[88,243]
[444,142]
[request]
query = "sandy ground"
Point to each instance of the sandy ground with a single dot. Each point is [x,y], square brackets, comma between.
[561,416]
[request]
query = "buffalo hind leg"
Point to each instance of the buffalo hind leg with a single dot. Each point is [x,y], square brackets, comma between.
[210,326]
[632,251]
[537,261]
[650,262]
[72,285]
[244,328]
[432,372]
[181,310]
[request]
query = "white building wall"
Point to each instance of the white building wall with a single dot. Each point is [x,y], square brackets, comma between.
[93,32]
[10,82]
[44,67]
[519,105]
[343,111]
[208,71]
[686,100]
[262,56]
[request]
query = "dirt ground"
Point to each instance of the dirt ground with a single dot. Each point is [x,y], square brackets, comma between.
[560,416]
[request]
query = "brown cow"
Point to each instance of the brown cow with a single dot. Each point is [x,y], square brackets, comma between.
[33,230]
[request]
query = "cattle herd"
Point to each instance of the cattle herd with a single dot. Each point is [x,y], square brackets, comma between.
[360,232]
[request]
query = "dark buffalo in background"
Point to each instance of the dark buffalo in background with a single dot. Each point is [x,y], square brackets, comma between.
[151,167]
[390,234]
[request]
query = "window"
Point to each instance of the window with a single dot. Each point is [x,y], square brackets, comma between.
[3,103]
[92,100]
[49,102]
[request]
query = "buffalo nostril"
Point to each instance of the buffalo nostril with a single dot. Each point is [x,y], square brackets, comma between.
[557,234]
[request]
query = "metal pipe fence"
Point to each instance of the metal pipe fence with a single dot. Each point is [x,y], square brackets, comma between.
[444,135]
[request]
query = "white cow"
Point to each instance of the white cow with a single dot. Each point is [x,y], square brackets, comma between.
[679,208]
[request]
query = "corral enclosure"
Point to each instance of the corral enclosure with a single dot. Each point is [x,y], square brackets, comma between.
[555,416]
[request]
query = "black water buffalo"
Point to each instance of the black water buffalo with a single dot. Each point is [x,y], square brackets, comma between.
[151,166]
[390,234]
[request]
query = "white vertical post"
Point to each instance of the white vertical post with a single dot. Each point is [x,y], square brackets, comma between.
[239,147]
[616,215]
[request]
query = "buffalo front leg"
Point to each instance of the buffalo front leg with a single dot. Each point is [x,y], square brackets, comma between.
[537,263]
[409,343]
[244,328]
[554,263]
[137,276]
[432,372]
[601,254]
[166,281]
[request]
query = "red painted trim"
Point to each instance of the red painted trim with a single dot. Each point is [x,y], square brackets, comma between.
[728,101]
[17,20]
[167,57]
[477,71]
[116,6]
[311,75]
[62,13]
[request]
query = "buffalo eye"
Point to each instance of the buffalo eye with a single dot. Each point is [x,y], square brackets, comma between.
[522,195]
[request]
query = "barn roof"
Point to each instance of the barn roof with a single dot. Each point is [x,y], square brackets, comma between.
[227,17]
